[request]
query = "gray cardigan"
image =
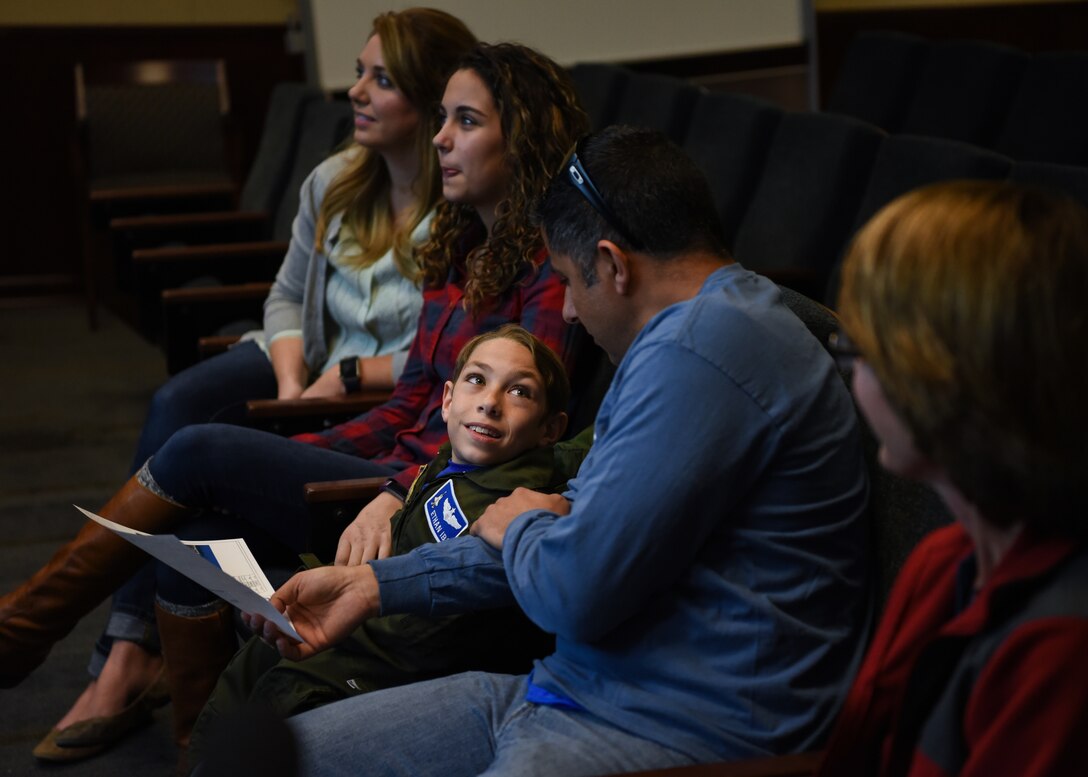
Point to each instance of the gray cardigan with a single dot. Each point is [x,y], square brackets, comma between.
[297,301]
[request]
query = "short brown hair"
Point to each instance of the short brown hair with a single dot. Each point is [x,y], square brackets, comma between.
[550,367]
[968,301]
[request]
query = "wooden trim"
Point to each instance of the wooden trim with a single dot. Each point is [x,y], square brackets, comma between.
[230,293]
[297,408]
[342,490]
[165,192]
[796,765]
[171,220]
[211,252]
[702,65]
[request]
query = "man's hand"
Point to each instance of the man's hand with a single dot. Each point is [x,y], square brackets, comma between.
[370,535]
[324,605]
[492,525]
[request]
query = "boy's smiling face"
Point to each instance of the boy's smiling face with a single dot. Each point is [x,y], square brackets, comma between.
[497,410]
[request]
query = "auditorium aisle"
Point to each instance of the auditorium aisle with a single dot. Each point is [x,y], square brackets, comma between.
[71,405]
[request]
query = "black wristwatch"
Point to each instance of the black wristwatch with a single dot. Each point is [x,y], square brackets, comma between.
[350,374]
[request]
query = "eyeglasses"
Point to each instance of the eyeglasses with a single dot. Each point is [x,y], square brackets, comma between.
[584,184]
[842,350]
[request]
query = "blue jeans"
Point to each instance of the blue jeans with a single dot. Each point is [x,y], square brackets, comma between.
[215,389]
[245,483]
[467,724]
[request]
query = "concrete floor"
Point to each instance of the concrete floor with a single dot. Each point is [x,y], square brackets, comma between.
[71,405]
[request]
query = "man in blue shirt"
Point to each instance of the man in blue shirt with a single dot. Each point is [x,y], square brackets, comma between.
[704,574]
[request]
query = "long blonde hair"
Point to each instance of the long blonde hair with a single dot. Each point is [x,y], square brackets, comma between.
[421,47]
[541,119]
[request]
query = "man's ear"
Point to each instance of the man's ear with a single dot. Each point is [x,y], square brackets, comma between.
[613,266]
[447,399]
[554,426]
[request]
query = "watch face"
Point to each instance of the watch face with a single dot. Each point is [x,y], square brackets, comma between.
[349,374]
[349,367]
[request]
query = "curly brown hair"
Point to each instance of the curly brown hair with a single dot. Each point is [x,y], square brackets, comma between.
[421,47]
[541,118]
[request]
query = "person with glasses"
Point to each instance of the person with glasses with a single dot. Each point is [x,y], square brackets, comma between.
[965,304]
[704,574]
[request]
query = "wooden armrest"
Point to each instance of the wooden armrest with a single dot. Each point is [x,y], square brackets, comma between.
[161,191]
[333,504]
[356,489]
[349,404]
[182,221]
[229,293]
[295,416]
[133,232]
[214,252]
[213,344]
[796,765]
[190,314]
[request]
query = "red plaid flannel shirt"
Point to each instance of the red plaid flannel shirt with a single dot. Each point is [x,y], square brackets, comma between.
[408,429]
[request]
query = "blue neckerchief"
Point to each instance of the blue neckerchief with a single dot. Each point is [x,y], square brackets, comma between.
[537,695]
[457,469]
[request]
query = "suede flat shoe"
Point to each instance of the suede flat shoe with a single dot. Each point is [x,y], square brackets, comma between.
[49,750]
[107,729]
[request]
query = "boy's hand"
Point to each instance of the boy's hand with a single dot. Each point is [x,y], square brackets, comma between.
[492,525]
[370,535]
[324,605]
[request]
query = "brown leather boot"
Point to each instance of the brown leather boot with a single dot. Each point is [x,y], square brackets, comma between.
[78,577]
[196,649]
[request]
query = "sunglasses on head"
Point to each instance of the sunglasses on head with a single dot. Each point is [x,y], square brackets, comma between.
[579,176]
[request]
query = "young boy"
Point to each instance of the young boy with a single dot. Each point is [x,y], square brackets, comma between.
[504,413]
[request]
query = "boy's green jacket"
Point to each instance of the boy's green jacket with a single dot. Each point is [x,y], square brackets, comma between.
[542,469]
[397,649]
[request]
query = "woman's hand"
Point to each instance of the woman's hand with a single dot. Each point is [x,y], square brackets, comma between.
[370,535]
[328,385]
[375,374]
[289,366]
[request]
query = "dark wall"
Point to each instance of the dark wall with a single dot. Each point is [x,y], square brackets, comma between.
[38,201]
[1031,27]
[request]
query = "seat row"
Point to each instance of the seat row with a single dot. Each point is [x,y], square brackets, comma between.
[217,266]
[1026,106]
[792,187]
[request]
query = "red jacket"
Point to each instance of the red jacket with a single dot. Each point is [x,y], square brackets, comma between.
[998,688]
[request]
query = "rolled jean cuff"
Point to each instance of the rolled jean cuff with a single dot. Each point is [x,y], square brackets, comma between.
[145,479]
[131,628]
[190,611]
